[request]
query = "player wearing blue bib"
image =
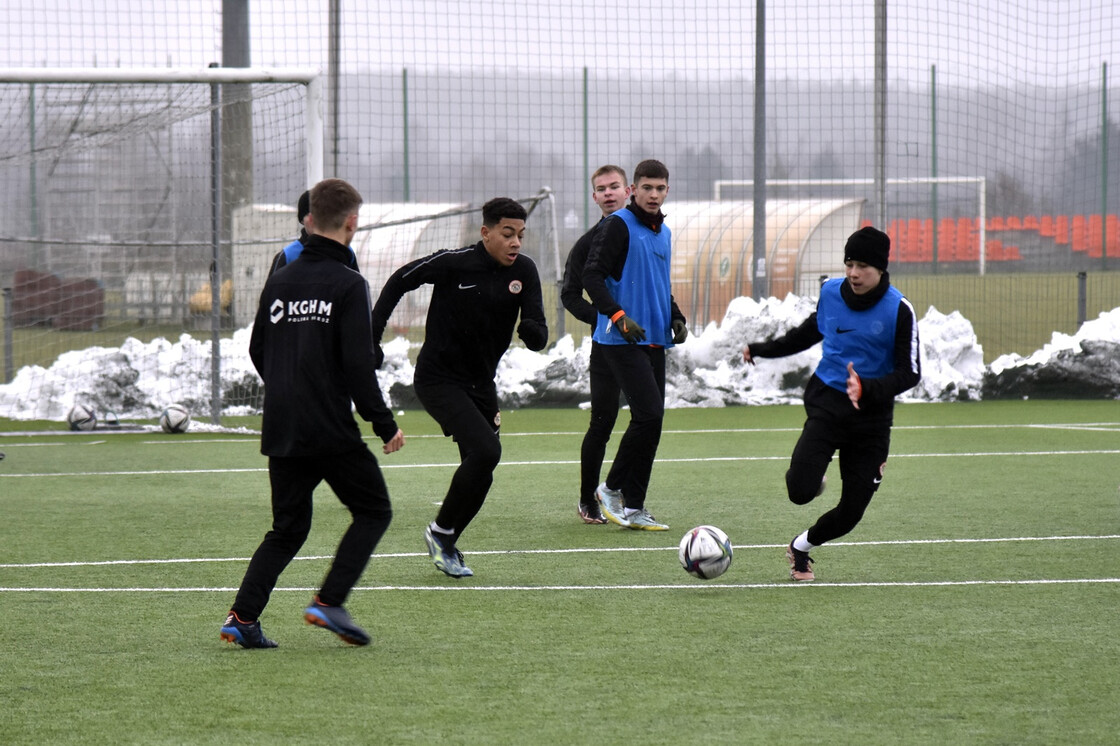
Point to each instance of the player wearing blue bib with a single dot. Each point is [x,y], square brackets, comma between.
[870,355]
[627,278]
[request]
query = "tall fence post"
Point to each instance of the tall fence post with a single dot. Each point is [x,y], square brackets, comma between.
[1081,298]
[759,286]
[1104,166]
[215,263]
[9,352]
[933,162]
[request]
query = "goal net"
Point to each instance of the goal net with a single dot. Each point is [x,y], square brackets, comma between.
[119,188]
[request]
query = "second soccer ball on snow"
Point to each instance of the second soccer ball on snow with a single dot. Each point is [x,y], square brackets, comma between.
[174,419]
[705,552]
[81,417]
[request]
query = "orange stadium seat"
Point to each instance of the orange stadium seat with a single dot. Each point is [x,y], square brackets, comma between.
[968,240]
[1079,233]
[896,240]
[909,239]
[947,240]
[1061,230]
[1093,228]
[927,240]
[993,250]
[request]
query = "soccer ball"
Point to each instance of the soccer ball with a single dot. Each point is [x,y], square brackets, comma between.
[81,417]
[705,552]
[174,419]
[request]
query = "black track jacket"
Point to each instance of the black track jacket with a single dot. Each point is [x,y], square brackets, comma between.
[313,346]
[571,290]
[475,304]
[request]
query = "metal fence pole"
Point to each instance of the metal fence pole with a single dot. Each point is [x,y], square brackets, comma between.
[216,248]
[1081,298]
[1104,166]
[9,345]
[880,114]
[759,285]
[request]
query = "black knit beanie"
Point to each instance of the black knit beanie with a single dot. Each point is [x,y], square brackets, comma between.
[303,206]
[869,246]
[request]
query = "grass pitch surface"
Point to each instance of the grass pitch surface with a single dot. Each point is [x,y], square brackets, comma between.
[976,602]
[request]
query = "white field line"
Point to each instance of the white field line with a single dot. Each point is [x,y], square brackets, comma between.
[563,462]
[1108,427]
[585,550]
[1088,426]
[625,587]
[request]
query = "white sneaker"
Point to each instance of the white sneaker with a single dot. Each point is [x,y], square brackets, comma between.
[610,502]
[644,521]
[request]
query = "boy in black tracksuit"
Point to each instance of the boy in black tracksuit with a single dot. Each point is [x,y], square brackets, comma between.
[313,347]
[610,191]
[477,295]
[870,355]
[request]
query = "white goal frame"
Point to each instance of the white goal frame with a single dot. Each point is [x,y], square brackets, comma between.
[979,181]
[308,77]
[313,112]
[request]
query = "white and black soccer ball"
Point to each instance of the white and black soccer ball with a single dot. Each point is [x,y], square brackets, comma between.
[705,552]
[174,419]
[81,417]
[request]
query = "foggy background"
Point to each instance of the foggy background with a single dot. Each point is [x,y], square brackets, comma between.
[457,102]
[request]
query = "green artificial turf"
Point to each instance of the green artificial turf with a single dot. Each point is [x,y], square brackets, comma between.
[975,603]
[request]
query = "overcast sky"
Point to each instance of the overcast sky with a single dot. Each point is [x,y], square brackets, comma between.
[1052,43]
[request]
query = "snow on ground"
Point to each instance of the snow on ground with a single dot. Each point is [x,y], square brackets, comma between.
[137,380]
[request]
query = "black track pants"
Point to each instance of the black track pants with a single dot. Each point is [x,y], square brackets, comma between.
[356,479]
[604,413]
[469,414]
[640,372]
[862,443]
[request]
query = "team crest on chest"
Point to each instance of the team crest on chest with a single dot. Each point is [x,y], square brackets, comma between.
[515,287]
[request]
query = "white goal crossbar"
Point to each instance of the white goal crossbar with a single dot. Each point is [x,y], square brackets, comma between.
[308,77]
[979,181]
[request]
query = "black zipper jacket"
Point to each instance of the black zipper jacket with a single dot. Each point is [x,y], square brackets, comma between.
[571,290]
[471,316]
[312,344]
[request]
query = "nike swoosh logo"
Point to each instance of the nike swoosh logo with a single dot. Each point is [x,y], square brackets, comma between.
[877,481]
[466,287]
[843,331]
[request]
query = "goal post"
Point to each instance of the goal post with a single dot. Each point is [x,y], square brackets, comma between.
[128,75]
[112,182]
[978,181]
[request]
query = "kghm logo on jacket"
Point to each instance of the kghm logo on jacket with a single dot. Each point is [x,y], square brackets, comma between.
[296,311]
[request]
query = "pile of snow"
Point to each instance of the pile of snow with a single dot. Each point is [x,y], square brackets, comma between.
[137,380]
[708,369]
[1085,365]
